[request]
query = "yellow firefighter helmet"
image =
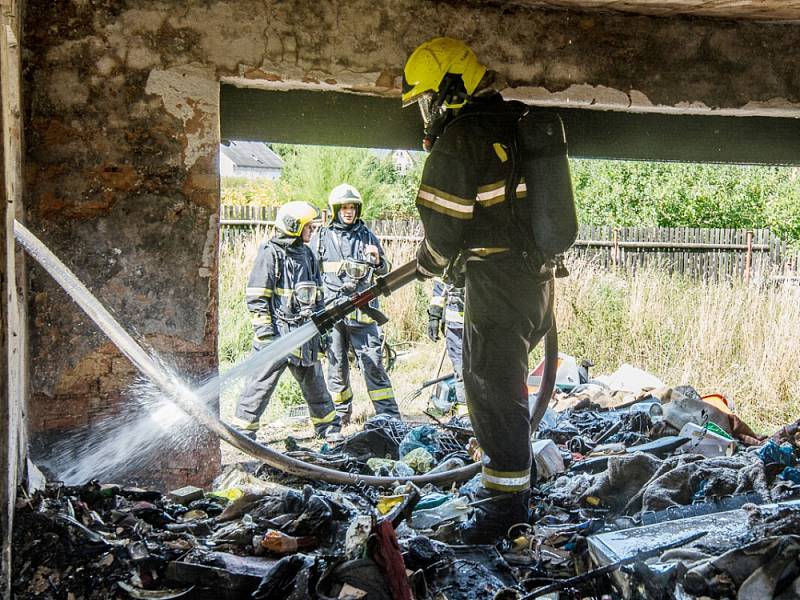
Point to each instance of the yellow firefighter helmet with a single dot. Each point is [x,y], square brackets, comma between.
[293,216]
[442,66]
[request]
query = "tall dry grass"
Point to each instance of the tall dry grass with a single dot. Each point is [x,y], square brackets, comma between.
[730,338]
[742,341]
[236,256]
[406,308]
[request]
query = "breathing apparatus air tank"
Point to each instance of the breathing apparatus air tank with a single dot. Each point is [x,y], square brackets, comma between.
[544,169]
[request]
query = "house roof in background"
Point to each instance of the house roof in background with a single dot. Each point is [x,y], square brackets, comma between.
[383,153]
[254,155]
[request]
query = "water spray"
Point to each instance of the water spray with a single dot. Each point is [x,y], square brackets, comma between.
[190,401]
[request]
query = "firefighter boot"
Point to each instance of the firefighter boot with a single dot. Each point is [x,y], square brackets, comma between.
[493,514]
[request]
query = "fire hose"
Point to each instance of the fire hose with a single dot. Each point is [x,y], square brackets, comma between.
[323,321]
[383,286]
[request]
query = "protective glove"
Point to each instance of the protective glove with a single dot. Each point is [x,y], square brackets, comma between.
[434,324]
[348,287]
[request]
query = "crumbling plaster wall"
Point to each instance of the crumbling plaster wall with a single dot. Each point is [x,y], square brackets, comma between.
[122,137]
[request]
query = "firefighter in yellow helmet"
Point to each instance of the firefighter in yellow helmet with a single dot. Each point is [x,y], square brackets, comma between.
[475,214]
[283,291]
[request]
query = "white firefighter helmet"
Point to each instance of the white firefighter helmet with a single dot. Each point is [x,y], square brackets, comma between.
[342,194]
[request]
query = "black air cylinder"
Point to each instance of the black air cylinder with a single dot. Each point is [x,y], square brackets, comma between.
[545,171]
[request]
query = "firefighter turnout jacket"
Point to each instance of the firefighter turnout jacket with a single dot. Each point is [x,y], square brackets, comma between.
[470,201]
[283,290]
[338,243]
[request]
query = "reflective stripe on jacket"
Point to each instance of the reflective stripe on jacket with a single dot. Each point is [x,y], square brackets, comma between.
[463,201]
[449,299]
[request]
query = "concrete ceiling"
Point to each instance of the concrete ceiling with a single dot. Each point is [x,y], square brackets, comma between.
[750,10]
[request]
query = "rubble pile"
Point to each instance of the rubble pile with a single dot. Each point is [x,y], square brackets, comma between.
[658,493]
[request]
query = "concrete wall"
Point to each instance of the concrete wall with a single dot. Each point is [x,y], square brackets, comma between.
[122,139]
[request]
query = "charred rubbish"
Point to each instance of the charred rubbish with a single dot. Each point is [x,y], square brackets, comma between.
[648,492]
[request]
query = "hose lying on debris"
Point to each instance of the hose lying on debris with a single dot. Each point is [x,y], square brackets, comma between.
[548,383]
[187,402]
[299,468]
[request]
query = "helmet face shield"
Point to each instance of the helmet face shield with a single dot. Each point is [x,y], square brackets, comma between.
[426,104]
[434,115]
[306,293]
[355,270]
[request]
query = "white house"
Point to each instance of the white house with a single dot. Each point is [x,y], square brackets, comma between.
[253,160]
[403,160]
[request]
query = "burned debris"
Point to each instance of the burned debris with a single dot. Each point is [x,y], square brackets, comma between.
[656,494]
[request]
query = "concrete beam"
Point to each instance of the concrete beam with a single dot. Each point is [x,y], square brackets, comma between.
[338,119]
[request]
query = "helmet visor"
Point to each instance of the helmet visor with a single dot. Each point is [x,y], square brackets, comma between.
[355,269]
[432,110]
[306,293]
[426,102]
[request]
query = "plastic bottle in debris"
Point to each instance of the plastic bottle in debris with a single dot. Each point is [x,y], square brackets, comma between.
[280,543]
[456,509]
[448,465]
[706,442]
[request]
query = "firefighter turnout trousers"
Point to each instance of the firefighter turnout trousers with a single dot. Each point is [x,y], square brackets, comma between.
[506,314]
[454,343]
[256,396]
[366,342]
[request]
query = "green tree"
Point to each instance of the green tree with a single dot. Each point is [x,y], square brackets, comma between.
[253,192]
[311,172]
[687,195]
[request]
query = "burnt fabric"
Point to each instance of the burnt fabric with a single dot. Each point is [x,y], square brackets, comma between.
[386,554]
[287,580]
[767,568]
[470,201]
[722,476]
[623,478]
[640,482]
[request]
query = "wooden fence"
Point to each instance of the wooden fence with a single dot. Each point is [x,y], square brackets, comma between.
[709,254]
